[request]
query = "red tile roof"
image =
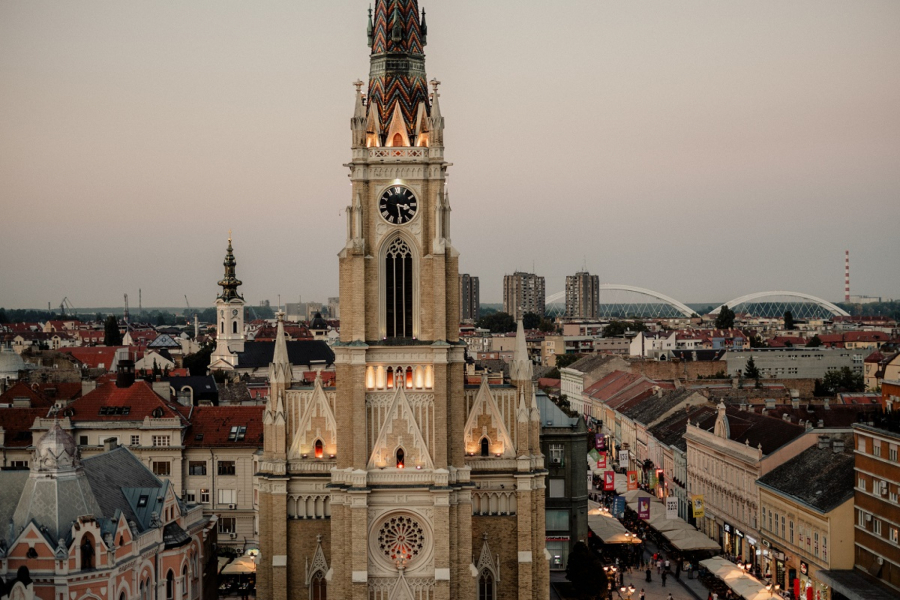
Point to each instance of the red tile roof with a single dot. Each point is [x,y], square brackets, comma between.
[16,424]
[23,390]
[95,356]
[134,403]
[211,426]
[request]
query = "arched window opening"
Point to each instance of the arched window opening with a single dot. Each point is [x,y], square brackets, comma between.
[486,586]
[485,447]
[87,552]
[234,327]
[390,377]
[122,596]
[320,449]
[184,581]
[222,327]
[170,585]
[409,378]
[141,588]
[318,587]
[398,290]
[400,456]
[397,141]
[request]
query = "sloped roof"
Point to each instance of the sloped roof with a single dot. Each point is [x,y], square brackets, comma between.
[118,476]
[590,362]
[211,427]
[757,430]
[819,478]
[17,422]
[135,402]
[552,415]
[671,430]
[655,406]
[300,352]
[94,356]
[23,390]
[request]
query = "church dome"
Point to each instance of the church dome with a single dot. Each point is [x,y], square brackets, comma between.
[57,451]
[10,364]
[318,322]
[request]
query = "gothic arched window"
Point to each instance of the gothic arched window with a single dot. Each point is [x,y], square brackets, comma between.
[485,447]
[170,585]
[234,327]
[400,457]
[486,586]
[320,449]
[398,288]
[318,587]
[184,581]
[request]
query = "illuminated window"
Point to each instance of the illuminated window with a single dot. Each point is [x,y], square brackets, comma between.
[320,449]
[400,458]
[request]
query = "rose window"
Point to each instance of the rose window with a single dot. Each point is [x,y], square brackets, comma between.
[401,538]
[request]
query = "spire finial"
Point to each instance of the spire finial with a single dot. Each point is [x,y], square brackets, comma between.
[358,84]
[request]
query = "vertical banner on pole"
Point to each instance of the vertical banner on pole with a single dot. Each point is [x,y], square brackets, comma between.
[632,480]
[609,481]
[619,506]
[672,507]
[697,505]
[601,461]
[644,508]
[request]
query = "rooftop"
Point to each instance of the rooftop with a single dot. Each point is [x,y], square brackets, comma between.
[817,477]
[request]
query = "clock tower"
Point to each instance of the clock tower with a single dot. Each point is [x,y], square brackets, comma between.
[401,482]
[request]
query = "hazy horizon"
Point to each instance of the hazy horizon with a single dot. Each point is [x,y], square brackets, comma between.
[700,149]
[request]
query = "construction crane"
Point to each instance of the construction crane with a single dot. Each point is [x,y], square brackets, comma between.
[190,311]
[64,305]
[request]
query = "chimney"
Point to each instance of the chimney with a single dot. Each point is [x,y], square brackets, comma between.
[87,386]
[124,373]
[827,403]
[770,403]
[162,389]
[735,383]
[795,398]
[824,442]
[110,444]
[838,446]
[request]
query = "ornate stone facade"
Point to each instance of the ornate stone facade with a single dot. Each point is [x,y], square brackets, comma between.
[400,482]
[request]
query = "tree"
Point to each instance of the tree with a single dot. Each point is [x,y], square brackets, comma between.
[585,572]
[725,318]
[497,322]
[751,371]
[198,363]
[531,320]
[813,342]
[618,328]
[789,321]
[564,360]
[3,317]
[843,381]
[111,334]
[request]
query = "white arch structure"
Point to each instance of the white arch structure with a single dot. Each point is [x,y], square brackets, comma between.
[685,310]
[835,310]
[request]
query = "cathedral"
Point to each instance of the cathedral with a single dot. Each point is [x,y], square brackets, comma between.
[401,482]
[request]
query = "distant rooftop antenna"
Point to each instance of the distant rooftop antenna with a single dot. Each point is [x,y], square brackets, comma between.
[847,276]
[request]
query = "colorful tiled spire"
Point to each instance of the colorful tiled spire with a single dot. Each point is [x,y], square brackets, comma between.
[397,36]
[230,283]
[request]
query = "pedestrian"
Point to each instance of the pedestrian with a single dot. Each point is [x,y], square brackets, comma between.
[664,579]
[642,594]
[649,571]
[669,597]
[667,564]
[658,566]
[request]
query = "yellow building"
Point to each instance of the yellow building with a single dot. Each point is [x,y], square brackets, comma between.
[806,517]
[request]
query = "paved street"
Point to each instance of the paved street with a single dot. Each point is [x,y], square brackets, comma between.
[681,589]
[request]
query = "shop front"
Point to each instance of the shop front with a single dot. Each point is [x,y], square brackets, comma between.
[809,587]
[774,566]
[754,553]
[558,547]
[731,543]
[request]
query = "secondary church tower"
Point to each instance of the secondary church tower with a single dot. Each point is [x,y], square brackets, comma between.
[401,482]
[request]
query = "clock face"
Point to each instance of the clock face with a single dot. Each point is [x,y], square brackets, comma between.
[234,312]
[398,205]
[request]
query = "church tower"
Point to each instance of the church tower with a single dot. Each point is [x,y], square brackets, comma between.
[401,482]
[230,313]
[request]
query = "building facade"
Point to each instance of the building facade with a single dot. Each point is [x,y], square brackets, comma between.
[582,296]
[400,482]
[469,298]
[523,293]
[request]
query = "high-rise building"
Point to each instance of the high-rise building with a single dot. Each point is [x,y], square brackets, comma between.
[399,482]
[469,298]
[582,296]
[523,293]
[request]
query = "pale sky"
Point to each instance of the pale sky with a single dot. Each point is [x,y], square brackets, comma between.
[701,149]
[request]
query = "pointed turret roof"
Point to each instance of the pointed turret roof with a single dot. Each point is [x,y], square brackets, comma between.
[397,66]
[230,283]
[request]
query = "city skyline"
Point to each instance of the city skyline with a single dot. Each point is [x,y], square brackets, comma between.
[720,150]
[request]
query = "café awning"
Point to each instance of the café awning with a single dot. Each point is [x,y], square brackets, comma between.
[241,566]
[734,577]
[608,528]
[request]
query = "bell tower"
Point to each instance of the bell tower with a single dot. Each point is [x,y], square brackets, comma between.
[400,473]
[229,313]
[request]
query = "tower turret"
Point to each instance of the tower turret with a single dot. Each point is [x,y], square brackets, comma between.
[230,310]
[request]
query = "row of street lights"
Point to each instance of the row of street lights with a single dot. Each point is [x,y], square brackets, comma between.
[611,571]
